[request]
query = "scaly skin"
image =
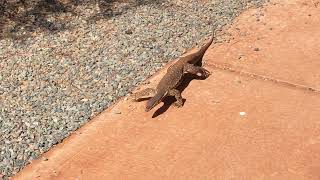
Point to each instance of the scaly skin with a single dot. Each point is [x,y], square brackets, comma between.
[172,79]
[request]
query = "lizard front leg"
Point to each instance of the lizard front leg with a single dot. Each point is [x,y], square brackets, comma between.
[177,94]
[143,94]
[199,71]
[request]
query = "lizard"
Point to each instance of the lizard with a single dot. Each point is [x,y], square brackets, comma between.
[173,78]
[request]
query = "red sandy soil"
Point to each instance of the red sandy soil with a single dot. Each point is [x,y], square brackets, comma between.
[255,117]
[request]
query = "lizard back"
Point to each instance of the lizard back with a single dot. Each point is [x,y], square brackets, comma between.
[174,75]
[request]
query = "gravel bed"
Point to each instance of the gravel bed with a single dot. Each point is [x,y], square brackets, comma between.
[60,71]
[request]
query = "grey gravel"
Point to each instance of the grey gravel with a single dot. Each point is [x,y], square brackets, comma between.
[52,82]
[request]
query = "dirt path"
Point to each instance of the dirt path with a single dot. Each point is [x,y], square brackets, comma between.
[256,117]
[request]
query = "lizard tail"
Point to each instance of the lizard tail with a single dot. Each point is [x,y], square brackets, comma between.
[155,100]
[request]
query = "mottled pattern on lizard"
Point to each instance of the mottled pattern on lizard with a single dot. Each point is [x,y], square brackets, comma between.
[172,79]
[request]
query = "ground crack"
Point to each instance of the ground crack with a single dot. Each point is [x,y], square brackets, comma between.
[263,77]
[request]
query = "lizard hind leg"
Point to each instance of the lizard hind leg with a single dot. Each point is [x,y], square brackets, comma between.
[144,94]
[177,94]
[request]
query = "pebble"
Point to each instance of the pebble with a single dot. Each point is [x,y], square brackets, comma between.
[54,81]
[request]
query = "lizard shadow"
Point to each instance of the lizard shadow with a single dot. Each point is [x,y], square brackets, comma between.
[168,101]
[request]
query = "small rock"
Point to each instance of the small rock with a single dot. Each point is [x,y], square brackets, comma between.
[242,113]
[215,101]
[256,49]
[116,112]
[240,56]
[129,31]
[84,100]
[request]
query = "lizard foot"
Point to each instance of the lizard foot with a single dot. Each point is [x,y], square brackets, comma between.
[177,95]
[178,104]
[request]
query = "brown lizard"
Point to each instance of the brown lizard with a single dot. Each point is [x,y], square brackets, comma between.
[173,78]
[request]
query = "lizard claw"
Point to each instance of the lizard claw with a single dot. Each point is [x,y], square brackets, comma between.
[178,104]
[205,73]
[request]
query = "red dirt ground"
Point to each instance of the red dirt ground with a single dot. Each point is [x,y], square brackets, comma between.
[256,117]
